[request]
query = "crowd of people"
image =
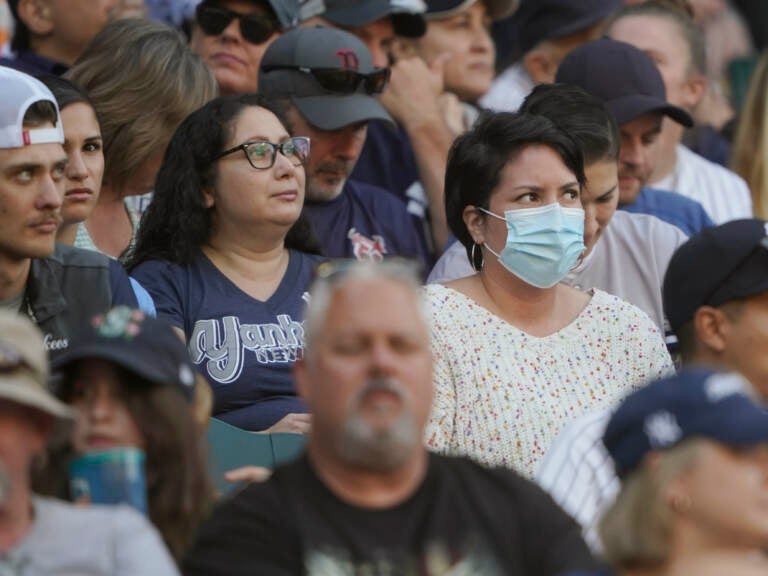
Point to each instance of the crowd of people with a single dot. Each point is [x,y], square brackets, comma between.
[487,258]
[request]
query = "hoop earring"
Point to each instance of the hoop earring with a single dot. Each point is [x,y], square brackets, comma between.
[477,264]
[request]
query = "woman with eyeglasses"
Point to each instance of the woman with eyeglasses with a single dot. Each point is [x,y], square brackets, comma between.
[231,37]
[227,256]
[517,352]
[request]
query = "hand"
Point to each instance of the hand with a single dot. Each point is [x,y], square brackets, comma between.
[294,423]
[414,89]
[453,112]
[248,474]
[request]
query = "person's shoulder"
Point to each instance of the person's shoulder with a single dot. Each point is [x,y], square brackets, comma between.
[701,165]
[375,196]
[619,314]
[153,266]
[71,257]
[109,521]
[638,229]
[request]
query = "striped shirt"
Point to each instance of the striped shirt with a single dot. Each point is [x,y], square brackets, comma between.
[578,473]
[724,194]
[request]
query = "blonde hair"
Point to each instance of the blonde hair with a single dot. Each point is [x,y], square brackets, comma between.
[143,81]
[636,530]
[750,145]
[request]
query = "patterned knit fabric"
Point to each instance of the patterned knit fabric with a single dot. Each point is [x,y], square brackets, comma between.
[502,396]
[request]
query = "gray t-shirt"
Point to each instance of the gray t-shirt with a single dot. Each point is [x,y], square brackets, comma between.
[66,540]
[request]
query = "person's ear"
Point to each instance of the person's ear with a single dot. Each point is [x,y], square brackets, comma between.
[540,65]
[695,89]
[712,327]
[37,15]
[475,221]
[208,197]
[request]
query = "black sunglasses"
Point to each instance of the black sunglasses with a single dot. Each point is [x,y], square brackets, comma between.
[255,28]
[341,80]
[261,155]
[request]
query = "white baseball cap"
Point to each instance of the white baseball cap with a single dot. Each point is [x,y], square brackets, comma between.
[19,92]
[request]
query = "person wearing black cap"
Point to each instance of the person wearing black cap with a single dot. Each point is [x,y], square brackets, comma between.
[131,384]
[715,295]
[231,37]
[631,87]
[547,31]
[45,536]
[692,454]
[673,40]
[50,35]
[331,100]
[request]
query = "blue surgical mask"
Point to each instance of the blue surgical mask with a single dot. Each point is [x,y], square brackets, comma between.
[543,243]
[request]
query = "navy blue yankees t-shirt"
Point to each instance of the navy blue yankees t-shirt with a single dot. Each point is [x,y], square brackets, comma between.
[243,346]
[367,223]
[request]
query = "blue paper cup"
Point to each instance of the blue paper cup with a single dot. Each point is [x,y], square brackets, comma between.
[110,477]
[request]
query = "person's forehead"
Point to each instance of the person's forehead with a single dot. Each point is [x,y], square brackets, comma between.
[652,34]
[643,124]
[46,155]
[373,304]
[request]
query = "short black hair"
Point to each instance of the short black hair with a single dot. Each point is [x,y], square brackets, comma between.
[582,116]
[39,113]
[65,91]
[478,156]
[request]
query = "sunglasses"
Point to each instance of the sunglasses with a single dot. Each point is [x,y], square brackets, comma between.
[343,81]
[261,155]
[255,28]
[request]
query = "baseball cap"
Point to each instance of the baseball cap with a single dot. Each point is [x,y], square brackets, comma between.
[497,9]
[24,372]
[137,342]
[286,72]
[720,264]
[406,15]
[20,91]
[539,20]
[623,77]
[287,11]
[696,402]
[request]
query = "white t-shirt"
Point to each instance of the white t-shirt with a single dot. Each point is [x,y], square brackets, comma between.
[628,261]
[508,90]
[67,540]
[723,194]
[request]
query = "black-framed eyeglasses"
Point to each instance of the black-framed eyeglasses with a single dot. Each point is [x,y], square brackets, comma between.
[255,28]
[261,155]
[341,80]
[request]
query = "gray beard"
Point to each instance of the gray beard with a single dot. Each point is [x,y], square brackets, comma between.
[383,449]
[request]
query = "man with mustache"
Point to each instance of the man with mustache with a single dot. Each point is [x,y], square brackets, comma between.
[57,286]
[367,498]
[327,79]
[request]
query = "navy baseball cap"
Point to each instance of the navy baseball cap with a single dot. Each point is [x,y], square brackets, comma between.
[623,77]
[720,264]
[696,402]
[539,20]
[497,9]
[137,342]
[407,15]
[287,11]
[286,71]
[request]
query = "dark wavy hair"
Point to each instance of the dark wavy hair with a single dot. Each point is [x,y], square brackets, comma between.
[177,222]
[65,91]
[477,158]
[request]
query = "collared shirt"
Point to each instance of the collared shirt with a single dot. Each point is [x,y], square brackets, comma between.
[509,89]
[33,64]
[687,214]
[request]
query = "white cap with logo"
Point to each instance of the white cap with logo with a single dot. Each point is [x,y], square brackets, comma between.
[19,92]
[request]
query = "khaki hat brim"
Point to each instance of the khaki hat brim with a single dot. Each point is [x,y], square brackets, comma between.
[24,390]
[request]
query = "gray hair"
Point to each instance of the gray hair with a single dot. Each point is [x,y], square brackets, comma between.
[335,274]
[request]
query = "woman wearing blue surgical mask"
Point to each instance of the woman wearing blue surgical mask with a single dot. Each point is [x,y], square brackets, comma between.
[517,353]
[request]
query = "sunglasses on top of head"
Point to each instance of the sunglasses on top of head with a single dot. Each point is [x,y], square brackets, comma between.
[341,80]
[254,28]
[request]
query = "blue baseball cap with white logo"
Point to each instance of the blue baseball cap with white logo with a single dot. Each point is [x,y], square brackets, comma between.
[696,402]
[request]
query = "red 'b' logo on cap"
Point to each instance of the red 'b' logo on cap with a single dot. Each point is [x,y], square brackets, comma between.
[348,59]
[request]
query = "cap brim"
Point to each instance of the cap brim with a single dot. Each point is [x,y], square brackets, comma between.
[409,25]
[358,13]
[629,108]
[124,356]
[21,389]
[747,426]
[497,9]
[334,112]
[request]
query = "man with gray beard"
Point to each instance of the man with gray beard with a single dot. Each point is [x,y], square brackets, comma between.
[367,498]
